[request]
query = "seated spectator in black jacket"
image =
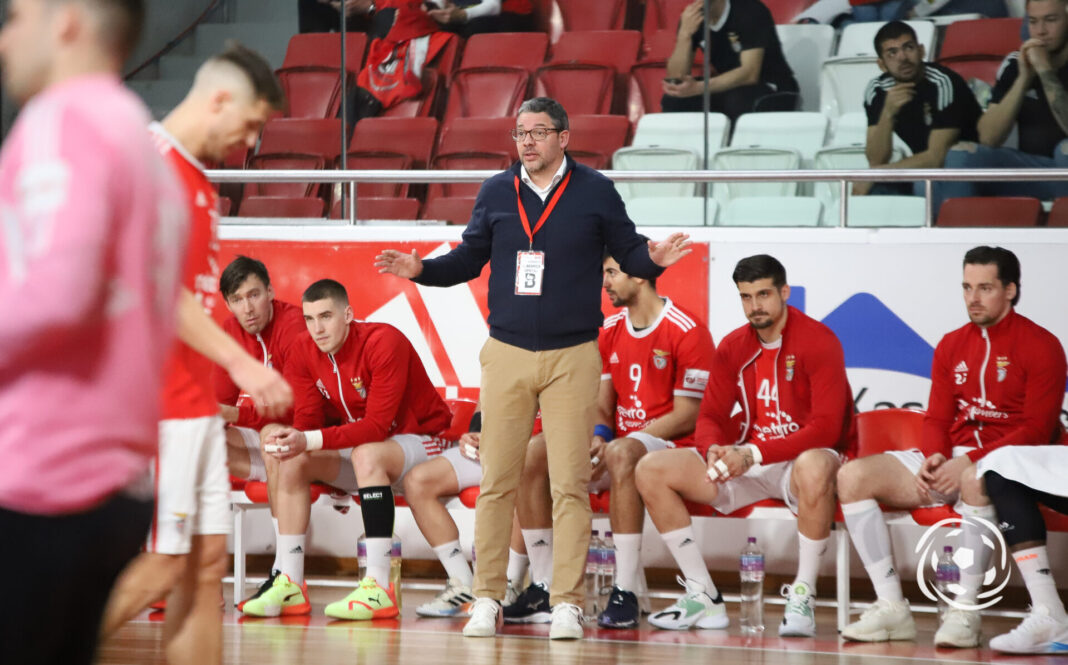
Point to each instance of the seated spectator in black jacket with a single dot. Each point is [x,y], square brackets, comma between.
[325,15]
[751,73]
[928,106]
[1031,94]
[470,17]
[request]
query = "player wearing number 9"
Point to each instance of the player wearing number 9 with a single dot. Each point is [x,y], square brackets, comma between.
[786,372]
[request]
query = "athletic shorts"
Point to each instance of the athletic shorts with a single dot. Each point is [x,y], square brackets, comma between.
[192,484]
[417,448]
[468,471]
[913,460]
[652,444]
[762,481]
[251,438]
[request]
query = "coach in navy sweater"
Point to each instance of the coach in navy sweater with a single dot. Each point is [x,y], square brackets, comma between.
[542,225]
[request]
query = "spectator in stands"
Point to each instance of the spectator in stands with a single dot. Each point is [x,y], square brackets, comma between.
[544,301]
[997,381]
[1017,479]
[470,17]
[325,15]
[744,51]
[926,105]
[987,8]
[1030,94]
[786,372]
[870,11]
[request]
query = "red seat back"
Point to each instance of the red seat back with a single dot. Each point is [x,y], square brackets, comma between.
[311,91]
[408,136]
[888,429]
[995,37]
[282,206]
[582,88]
[597,134]
[592,14]
[379,208]
[465,161]
[487,92]
[324,49]
[372,160]
[452,209]
[478,135]
[1058,215]
[662,15]
[615,48]
[302,135]
[462,410]
[525,50]
[990,211]
[425,105]
[980,67]
[283,161]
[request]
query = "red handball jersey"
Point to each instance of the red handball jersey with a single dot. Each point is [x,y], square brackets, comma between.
[769,421]
[375,380]
[271,347]
[648,367]
[187,387]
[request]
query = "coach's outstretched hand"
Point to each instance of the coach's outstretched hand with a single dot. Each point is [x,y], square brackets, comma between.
[407,266]
[668,251]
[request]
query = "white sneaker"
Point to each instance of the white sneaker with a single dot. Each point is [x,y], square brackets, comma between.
[456,599]
[694,608]
[511,594]
[486,618]
[798,620]
[960,628]
[884,620]
[566,622]
[1038,633]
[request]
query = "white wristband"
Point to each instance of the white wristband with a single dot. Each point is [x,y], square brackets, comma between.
[757,457]
[314,439]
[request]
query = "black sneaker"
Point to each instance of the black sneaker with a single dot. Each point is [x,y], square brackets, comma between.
[267,584]
[532,606]
[622,610]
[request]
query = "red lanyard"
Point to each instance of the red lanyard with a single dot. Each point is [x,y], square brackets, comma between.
[545,213]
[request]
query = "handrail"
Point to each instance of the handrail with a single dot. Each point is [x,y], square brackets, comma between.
[843,176]
[169,46]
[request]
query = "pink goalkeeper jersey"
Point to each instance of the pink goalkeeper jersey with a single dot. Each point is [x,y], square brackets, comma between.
[92,231]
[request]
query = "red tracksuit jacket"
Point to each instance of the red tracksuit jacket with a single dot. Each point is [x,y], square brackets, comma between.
[375,380]
[812,389]
[993,387]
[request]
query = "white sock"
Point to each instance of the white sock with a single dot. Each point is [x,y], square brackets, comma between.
[277,561]
[1034,568]
[379,557]
[809,553]
[867,529]
[517,568]
[971,577]
[452,557]
[628,560]
[291,556]
[682,543]
[540,552]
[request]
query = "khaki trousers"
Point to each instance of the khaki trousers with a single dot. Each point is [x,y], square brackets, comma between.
[515,382]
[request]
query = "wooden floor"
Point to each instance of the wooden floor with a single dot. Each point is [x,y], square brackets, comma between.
[416,641]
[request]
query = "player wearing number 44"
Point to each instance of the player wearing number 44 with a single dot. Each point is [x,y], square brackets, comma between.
[787,374]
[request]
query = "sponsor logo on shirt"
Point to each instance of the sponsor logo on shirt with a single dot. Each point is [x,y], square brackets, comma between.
[981,409]
[695,379]
[1003,367]
[660,358]
[357,383]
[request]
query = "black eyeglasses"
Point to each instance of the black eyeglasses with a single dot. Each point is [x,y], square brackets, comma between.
[539,134]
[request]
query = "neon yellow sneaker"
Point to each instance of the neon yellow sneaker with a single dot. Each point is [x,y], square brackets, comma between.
[283,598]
[369,601]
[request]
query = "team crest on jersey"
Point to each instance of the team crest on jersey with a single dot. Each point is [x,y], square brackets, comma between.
[357,383]
[268,361]
[613,359]
[960,373]
[1003,367]
[791,360]
[736,43]
[660,358]
[927,119]
[322,389]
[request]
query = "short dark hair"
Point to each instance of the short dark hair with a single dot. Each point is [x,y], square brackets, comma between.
[605,255]
[121,22]
[760,266]
[1007,263]
[238,271]
[892,30]
[265,84]
[326,288]
[549,106]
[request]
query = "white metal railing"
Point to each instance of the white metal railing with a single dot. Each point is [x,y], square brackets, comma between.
[842,176]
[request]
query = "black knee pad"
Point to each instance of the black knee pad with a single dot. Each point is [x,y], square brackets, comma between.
[1017,505]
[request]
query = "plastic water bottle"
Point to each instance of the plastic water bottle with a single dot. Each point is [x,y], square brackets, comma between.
[593,576]
[395,561]
[752,573]
[947,576]
[608,566]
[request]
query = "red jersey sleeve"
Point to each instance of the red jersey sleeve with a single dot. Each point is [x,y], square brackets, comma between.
[308,403]
[941,406]
[387,355]
[696,353]
[602,346]
[1046,372]
[718,401]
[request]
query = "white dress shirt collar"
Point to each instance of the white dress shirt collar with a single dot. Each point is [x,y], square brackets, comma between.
[543,193]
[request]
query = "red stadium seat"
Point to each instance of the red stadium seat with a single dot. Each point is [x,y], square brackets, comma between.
[594,160]
[525,50]
[592,14]
[581,88]
[462,410]
[975,49]
[593,135]
[645,88]
[302,135]
[408,136]
[312,91]
[371,160]
[658,46]
[447,59]
[465,161]
[990,211]
[1058,215]
[487,92]
[324,49]
[236,159]
[283,161]
[380,208]
[662,15]
[888,429]
[426,104]
[452,209]
[478,135]
[616,48]
[225,205]
[282,206]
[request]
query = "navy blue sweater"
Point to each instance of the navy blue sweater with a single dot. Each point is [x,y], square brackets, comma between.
[589,216]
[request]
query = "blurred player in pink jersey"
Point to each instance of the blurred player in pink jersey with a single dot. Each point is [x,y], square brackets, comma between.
[232,96]
[92,228]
